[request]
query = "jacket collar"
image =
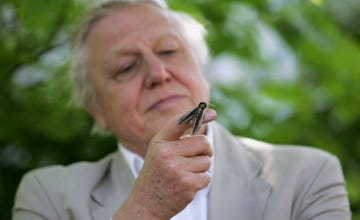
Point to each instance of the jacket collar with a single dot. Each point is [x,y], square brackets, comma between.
[113,189]
[238,190]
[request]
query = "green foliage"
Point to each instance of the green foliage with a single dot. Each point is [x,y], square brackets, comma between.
[297,81]
[38,127]
[318,105]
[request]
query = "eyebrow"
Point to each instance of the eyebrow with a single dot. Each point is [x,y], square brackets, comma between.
[116,53]
[123,51]
[130,50]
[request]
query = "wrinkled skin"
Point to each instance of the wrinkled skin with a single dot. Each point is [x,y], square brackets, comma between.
[174,170]
[142,111]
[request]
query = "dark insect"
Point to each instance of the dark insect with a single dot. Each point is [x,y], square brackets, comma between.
[194,117]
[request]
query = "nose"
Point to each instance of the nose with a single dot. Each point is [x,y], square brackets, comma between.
[156,72]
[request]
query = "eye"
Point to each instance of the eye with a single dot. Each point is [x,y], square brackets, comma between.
[126,68]
[167,52]
[126,71]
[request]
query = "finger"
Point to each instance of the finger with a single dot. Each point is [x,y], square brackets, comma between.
[173,131]
[202,179]
[197,164]
[193,146]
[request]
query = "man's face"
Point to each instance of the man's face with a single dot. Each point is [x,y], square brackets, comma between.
[142,72]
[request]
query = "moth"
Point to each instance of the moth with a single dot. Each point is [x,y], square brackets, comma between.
[194,117]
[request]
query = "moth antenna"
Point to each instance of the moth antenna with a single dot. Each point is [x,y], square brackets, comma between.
[210,104]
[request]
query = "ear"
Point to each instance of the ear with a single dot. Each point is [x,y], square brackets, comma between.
[99,116]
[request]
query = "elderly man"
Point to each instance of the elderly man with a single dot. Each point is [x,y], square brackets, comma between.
[137,69]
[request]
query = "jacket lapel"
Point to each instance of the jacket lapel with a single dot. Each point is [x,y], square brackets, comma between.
[237,190]
[113,189]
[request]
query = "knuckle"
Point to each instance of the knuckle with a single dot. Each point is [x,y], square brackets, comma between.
[206,147]
[204,162]
[165,153]
[203,180]
[207,161]
[204,139]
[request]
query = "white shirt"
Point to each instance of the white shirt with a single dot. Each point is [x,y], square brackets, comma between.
[197,208]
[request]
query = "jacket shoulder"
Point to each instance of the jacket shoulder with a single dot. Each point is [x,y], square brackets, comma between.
[262,150]
[53,186]
[286,155]
[271,157]
[73,173]
[292,161]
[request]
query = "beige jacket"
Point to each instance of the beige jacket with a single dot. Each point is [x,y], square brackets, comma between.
[252,181]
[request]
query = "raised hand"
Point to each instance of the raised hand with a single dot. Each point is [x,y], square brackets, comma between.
[174,170]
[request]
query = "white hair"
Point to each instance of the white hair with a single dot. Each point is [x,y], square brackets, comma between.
[193,31]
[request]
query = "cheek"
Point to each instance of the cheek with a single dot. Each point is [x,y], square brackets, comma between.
[116,99]
[122,113]
[203,90]
[197,83]
[124,100]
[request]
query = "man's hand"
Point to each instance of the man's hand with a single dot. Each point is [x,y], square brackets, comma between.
[174,170]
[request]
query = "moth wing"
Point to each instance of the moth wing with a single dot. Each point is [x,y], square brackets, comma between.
[187,116]
[198,121]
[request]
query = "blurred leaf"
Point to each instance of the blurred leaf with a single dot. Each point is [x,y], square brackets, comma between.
[285,72]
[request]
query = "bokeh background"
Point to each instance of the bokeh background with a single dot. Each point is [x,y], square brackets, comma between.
[283,71]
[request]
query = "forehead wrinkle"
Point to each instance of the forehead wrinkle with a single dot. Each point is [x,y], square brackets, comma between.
[127,49]
[118,37]
[113,26]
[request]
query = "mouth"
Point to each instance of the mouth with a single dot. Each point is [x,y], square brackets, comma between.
[164,103]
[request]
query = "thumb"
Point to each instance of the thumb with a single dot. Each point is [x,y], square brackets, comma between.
[173,131]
